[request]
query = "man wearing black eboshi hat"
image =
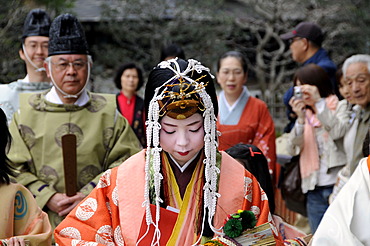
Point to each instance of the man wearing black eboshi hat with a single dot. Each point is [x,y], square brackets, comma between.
[33,52]
[103,136]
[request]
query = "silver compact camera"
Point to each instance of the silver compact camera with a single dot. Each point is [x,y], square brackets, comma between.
[298,92]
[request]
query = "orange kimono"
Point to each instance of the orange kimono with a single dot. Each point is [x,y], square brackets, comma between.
[254,127]
[113,213]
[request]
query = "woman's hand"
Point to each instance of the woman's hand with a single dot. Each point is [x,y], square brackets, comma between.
[298,107]
[311,95]
[16,241]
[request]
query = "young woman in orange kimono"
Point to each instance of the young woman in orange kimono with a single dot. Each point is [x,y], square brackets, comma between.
[178,191]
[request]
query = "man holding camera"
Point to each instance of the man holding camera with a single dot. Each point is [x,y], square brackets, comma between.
[305,44]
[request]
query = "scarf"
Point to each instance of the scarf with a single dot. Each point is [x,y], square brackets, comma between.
[309,159]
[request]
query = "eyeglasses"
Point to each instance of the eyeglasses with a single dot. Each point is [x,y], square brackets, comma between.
[292,40]
[77,65]
[34,46]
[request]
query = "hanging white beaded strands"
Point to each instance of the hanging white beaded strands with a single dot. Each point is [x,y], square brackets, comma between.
[153,176]
[211,170]
[153,159]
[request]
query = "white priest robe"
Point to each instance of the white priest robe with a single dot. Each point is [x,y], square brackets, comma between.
[347,220]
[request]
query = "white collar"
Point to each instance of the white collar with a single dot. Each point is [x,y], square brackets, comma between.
[182,168]
[26,79]
[53,97]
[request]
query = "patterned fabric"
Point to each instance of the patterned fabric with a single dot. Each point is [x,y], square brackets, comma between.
[104,140]
[20,216]
[255,127]
[9,94]
[113,214]
[191,204]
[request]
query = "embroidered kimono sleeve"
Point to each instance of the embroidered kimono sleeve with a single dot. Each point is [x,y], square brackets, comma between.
[96,219]
[256,200]
[21,157]
[122,145]
[265,136]
[27,220]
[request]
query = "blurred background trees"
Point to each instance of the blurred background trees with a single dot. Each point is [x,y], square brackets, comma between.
[12,16]
[120,31]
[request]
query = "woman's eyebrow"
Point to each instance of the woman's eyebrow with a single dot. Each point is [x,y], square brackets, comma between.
[193,123]
[190,124]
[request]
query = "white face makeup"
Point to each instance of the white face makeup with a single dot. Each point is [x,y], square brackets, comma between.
[182,139]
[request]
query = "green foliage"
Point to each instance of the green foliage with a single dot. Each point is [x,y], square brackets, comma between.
[12,16]
[137,31]
[56,6]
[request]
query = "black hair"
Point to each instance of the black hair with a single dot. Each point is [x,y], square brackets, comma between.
[158,76]
[5,140]
[172,50]
[313,74]
[338,76]
[238,55]
[121,70]
[256,163]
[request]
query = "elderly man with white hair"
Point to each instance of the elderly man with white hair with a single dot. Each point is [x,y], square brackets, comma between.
[347,219]
[356,72]
[101,137]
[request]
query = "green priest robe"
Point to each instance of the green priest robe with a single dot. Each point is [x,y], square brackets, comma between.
[104,140]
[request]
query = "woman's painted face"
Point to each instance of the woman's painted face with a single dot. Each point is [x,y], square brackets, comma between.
[231,76]
[182,139]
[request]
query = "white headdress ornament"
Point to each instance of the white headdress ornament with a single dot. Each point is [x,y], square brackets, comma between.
[153,159]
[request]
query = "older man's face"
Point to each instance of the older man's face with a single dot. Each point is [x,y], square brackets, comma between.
[358,80]
[69,72]
[298,47]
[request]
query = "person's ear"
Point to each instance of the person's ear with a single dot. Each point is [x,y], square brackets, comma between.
[46,66]
[305,43]
[21,54]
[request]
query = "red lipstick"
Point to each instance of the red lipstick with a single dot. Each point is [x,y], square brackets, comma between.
[183,153]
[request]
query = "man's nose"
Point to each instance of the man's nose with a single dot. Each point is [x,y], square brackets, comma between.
[355,88]
[70,68]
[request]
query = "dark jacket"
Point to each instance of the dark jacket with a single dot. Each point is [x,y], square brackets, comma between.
[320,58]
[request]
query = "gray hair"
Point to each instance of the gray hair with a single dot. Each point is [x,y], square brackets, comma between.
[360,58]
[89,59]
